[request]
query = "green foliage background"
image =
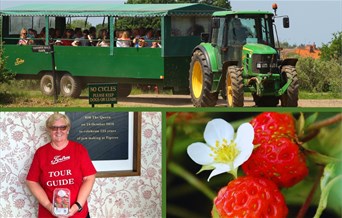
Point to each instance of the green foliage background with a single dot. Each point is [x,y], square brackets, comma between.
[323,74]
[5,74]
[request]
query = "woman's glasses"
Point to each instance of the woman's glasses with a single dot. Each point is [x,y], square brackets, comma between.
[55,128]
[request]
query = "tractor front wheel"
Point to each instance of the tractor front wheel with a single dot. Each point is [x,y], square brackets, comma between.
[200,81]
[290,97]
[234,87]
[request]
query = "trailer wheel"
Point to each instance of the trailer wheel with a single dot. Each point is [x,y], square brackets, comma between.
[46,84]
[234,87]
[290,97]
[265,101]
[70,86]
[124,90]
[200,81]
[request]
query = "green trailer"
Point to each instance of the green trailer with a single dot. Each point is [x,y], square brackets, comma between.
[75,67]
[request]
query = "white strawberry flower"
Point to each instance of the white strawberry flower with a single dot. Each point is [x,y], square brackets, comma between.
[221,152]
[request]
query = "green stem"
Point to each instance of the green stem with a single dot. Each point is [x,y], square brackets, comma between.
[308,200]
[316,126]
[181,172]
[314,129]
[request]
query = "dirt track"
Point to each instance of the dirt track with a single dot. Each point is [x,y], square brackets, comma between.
[159,100]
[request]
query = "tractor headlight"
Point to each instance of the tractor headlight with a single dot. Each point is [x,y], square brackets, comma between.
[273,65]
[262,65]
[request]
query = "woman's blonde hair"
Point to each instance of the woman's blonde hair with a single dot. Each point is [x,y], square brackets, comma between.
[22,30]
[56,116]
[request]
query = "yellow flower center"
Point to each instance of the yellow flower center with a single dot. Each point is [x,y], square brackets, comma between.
[225,152]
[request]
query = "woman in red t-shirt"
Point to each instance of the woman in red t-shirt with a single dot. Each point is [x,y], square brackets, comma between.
[61,165]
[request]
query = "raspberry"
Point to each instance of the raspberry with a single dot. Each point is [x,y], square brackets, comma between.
[250,197]
[278,157]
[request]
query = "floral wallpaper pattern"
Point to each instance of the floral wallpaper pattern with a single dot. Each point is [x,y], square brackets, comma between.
[21,133]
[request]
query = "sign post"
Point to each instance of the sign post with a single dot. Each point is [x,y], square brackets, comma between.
[103,93]
[49,49]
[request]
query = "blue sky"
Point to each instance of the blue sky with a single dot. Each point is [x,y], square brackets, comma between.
[311,21]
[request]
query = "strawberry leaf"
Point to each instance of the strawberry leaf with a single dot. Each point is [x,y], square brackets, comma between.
[214,212]
[300,123]
[311,119]
[326,185]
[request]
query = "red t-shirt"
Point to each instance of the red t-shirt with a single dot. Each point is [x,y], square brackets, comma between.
[52,169]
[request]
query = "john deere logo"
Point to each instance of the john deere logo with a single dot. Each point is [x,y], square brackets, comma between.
[18,61]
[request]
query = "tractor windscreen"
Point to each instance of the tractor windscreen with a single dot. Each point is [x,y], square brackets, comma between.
[250,29]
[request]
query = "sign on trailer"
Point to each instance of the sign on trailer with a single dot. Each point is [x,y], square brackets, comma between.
[41,48]
[102,93]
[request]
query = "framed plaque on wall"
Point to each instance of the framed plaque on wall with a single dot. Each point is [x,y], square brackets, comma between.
[113,140]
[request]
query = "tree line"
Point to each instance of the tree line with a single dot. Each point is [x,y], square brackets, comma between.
[325,73]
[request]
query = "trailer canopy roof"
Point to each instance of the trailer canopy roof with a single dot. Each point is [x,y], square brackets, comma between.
[225,13]
[115,10]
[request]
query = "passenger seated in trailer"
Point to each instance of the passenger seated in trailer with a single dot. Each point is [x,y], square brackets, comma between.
[84,39]
[31,35]
[142,43]
[157,37]
[124,40]
[78,33]
[149,37]
[92,36]
[156,44]
[23,37]
[76,42]
[58,42]
[136,35]
[40,39]
[103,39]
[67,38]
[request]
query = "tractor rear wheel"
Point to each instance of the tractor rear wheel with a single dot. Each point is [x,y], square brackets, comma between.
[46,84]
[71,86]
[290,97]
[200,81]
[234,87]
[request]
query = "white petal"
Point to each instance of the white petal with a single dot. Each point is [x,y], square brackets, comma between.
[245,134]
[219,168]
[245,153]
[218,129]
[244,139]
[199,153]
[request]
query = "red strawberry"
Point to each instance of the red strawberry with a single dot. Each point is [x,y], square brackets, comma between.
[272,124]
[279,160]
[278,157]
[250,197]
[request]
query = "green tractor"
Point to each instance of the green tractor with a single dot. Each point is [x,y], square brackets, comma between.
[240,56]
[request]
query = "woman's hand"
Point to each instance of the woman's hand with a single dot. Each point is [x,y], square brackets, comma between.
[73,209]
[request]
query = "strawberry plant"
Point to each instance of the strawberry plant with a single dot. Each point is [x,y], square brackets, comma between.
[295,164]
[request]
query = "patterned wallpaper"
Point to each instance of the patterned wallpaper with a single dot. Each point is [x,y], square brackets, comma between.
[21,133]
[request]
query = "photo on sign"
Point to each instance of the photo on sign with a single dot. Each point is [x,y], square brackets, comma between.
[111,138]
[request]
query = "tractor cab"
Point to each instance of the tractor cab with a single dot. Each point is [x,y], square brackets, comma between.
[237,34]
[239,55]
